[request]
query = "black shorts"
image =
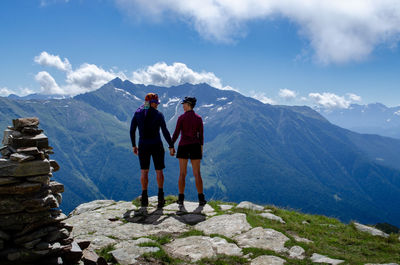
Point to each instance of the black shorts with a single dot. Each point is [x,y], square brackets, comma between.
[151,150]
[190,151]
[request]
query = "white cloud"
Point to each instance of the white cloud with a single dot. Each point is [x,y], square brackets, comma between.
[53,61]
[261,96]
[338,31]
[47,83]
[4,92]
[44,3]
[354,97]
[287,94]
[330,100]
[162,74]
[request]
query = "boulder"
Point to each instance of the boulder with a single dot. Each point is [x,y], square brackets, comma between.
[194,248]
[267,260]
[225,207]
[126,252]
[227,225]
[263,238]
[318,258]
[272,217]
[250,206]
[31,168]
[370,230]
[20,123]
[296,252]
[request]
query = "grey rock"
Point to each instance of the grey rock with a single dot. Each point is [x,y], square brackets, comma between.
[126,252]
[250,206]
[318,258]
[54,165]
[21,157]
[194,248]
[90,206]
[20,188]
[56,187]
[272,217]
[45,179]
[31,168]
[227,225]
[8,180]
[370,230]
[296,252]
[30,245]
[225,207]
[20,123]
[263,238]
[305,223]
[267,260]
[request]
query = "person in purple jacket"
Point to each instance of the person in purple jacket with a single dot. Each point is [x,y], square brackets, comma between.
[190,127]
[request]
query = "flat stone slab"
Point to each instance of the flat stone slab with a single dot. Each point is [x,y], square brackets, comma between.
[267,260]
[263,238]
[191,207]
[250,206]
[225,207]
[227,225]
[194,248]
[318,258]
[126,252]
[10,168]
[21,188]
[273,217]
[20,123]
[90,206]
[370,230]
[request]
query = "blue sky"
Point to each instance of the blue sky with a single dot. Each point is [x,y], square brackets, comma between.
[282,52]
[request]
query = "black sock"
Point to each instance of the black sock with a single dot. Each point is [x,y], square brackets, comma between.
[144,193]
[160,190]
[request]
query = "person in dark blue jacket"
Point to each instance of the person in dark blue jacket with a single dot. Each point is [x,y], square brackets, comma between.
[149,121]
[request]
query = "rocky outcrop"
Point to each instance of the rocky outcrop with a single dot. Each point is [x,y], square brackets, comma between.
[32,228]
[370,230]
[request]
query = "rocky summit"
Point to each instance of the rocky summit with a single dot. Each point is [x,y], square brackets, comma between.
[217,233]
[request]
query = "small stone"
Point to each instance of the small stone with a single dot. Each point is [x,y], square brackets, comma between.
[318,258]
[263,238]
[56,187]
[296,252]
[267,260]
[89,257]
[299,239]
[227,225]
[20,123]
[272,217]
[371,230]
[21,157]
[250,206]
[57,234]
[305,223]
[55,166]
[73,253]
[58,197]
[225,207]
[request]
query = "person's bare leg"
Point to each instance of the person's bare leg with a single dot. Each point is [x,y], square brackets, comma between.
[144,178]
[182,174]
[160,178]
[197,175]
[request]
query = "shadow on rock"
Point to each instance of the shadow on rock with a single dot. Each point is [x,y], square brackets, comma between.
[143,216]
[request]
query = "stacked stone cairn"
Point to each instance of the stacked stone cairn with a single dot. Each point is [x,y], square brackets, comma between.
[32,230]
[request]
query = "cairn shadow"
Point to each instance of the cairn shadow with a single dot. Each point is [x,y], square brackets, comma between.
[143,216]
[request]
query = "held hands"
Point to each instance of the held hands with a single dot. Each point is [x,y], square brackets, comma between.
[172,151]
[135,150]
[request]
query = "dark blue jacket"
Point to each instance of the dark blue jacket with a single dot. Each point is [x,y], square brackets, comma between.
[149,121]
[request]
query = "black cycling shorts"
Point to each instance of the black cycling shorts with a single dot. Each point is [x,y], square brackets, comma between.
[151,150]
[190,151]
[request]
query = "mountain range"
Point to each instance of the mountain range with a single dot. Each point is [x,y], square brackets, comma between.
[371,118]
[290,156]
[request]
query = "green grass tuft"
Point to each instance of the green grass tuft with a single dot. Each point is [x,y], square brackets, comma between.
[104,252]
[192,232]
[223,260]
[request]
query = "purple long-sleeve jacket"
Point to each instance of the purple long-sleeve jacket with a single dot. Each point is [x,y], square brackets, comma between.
[190,126]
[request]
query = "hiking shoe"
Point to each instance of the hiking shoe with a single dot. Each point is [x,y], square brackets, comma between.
[161,200]
[202,200]
[180,200]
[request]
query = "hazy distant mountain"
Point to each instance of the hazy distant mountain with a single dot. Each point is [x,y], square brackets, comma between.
[37,96]
[372,118]
[287,156]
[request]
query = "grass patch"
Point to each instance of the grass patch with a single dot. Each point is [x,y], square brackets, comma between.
[160,256]
[331,237]
[113,237]
[223,260]
[136,202]
[150,244]
[91,232]
[104,252]
[162,240]
[192,232]
[170,199]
